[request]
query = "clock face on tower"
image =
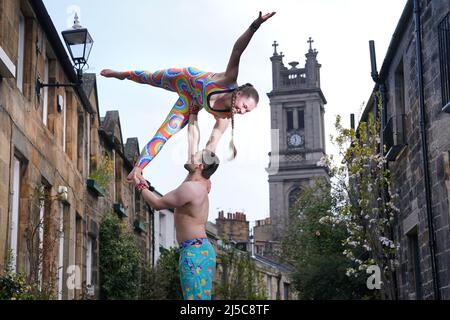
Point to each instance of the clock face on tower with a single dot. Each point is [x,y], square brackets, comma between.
[295,140]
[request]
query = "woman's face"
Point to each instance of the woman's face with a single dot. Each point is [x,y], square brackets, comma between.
[244,104]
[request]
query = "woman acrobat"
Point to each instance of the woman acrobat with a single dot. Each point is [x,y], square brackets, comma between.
[217,93]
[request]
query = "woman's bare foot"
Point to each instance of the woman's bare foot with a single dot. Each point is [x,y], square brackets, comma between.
[108,73]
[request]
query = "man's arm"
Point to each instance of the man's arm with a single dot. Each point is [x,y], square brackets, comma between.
[174,199]
[217,132]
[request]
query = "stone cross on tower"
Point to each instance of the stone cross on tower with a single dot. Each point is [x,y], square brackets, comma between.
[275,45]
[310,41]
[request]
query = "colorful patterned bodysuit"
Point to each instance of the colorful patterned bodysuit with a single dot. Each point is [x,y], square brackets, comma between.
[194,88]
[197,268]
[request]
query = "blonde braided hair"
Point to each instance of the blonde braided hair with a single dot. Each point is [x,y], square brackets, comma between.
[233,104]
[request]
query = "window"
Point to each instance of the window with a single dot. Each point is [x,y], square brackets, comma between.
[61,253]
[444,57]
[293,197]
[286,290]
[45,93]
[70,121]
[394,135]
[80,141]
[118,176]
[89,261]
[20,53]
[14,225]
[416,281]
[269,287]
[41,241]
[88,144]
[64,112]
[162,229]
[301,119]
[290,120]
[399,89]
[137,202]
[79,250]
[43,225]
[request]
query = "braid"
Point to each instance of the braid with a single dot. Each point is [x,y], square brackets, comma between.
[233,103]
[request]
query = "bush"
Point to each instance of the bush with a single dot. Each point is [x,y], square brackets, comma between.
[162,282]
[119,260]
[239,278]
[15,286]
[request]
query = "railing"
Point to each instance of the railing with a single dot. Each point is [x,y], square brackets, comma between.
[444,57]
[394,136]
[293,78]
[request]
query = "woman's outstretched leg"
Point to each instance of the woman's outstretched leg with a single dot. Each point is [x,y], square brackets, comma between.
[173,79]
[175,121]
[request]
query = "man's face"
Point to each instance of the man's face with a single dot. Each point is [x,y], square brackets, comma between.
[191,167]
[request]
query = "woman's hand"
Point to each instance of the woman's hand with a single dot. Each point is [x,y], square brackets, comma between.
[136,177]
[261,19]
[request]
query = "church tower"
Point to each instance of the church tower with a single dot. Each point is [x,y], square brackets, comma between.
[298,133]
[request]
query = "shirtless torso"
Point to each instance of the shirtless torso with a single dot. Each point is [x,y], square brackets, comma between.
[191,218]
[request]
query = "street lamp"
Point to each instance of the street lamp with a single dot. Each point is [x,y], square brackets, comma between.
[79,43]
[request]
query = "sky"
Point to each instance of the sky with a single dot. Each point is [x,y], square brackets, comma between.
[154,35]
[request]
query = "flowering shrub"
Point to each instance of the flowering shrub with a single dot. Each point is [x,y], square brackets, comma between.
[367,208]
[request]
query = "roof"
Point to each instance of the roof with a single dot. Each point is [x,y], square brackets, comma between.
[392,49]
[131,149]
[88,85]
[271,263]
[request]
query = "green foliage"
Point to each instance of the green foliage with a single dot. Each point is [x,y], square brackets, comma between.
[239,277]
[16,286]
[13,286]
[119,260]
[163,281]
[104,172]
[363,180]
[315,249]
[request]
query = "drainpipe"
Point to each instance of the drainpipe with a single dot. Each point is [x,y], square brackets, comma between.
[423,133]
[380,85]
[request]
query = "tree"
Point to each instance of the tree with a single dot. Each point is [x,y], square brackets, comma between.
[359,206]
[163,281]
[368,210]
[239,279]
[119,260]
[316,249]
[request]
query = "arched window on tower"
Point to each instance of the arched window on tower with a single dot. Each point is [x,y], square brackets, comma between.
[293,196]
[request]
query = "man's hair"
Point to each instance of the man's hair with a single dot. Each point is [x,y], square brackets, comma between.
[210,163]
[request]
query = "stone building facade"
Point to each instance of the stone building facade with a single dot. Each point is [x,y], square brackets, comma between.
[232,232]
[51,142]
[414,82]
[234,228]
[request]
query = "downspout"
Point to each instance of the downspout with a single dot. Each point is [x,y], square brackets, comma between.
[380,85]
[423,133]
[152,229]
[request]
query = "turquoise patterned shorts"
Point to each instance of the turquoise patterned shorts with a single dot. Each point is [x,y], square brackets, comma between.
[197,267]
